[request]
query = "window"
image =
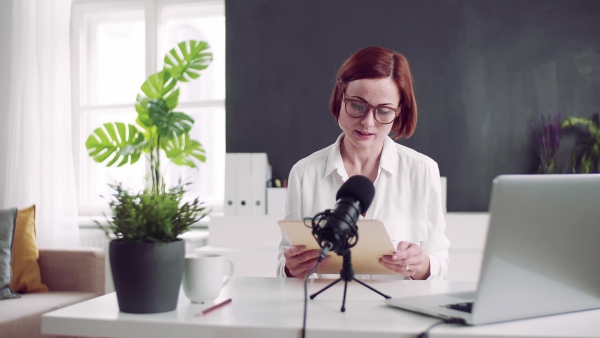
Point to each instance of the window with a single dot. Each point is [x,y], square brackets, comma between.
[116,45]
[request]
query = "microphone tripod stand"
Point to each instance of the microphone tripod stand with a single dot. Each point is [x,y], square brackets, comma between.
[347,275]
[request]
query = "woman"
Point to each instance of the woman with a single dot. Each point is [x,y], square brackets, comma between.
[373,97]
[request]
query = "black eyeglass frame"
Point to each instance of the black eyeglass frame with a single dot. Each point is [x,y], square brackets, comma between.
[370,108]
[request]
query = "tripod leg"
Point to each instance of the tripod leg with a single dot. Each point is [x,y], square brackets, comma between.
[343,309]
[325,288]
[382,294]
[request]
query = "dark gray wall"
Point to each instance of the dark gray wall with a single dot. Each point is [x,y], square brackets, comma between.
[484,71]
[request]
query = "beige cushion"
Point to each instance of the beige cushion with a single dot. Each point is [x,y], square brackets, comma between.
[25,269]
[83,266]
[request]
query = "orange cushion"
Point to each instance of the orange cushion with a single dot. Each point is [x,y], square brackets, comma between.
[25,269]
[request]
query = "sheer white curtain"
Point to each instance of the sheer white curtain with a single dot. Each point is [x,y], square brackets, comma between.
[39,162]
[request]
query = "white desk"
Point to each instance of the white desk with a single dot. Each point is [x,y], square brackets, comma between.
[271,307]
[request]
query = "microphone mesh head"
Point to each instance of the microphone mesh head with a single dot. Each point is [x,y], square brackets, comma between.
[360,188]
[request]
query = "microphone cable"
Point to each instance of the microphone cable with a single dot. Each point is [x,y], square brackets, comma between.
[425,334]
[310,272]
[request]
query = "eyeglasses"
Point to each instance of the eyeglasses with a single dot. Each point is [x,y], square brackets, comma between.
[358,108]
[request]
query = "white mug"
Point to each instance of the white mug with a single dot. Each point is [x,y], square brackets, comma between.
[203,276]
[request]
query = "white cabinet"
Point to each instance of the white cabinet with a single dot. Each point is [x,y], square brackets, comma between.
[246,177]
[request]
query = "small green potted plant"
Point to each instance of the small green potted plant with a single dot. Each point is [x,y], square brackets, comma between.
[146,255]
[586,151]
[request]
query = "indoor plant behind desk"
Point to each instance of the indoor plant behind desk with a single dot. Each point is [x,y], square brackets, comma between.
[146,255]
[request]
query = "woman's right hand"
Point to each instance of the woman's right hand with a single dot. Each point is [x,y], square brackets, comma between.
[299,260]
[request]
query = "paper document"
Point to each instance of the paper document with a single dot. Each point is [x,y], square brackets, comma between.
[373,243]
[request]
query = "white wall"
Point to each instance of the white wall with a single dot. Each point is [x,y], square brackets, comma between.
[5,43]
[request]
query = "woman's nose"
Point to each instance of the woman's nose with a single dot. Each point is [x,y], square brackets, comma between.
[368,119]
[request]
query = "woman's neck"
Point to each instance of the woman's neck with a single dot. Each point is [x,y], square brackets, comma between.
[361,161]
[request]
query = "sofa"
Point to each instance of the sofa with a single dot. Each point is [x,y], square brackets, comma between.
[72,276]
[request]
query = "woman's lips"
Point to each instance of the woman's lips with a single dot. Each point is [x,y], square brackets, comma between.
[363,134]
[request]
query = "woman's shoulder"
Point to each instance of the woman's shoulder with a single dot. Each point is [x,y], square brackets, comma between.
[316,159]
[409,155]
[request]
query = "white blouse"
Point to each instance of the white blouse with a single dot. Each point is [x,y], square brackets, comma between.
[407,199]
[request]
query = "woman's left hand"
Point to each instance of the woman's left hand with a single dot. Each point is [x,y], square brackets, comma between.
[409,260]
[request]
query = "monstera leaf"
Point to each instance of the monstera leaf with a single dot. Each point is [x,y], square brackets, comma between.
[168,123]
[185,61]
[150,135]
[115,142]
[160,129]
[161,85]
[141,106]
[184,151]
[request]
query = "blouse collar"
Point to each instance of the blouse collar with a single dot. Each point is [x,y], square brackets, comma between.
[388,161]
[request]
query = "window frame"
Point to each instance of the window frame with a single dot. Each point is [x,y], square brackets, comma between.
[79,65]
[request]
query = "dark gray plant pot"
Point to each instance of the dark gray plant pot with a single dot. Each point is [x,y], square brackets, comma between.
[147,276]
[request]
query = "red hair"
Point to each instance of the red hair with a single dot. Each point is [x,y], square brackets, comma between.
[377,63]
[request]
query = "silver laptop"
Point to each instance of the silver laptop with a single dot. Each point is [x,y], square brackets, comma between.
[541,253]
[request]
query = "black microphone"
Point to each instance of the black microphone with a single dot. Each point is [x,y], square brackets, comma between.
[335,229]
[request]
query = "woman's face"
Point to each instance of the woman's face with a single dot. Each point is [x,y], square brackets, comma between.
[365,132]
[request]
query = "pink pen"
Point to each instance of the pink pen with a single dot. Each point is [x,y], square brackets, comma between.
[214,307]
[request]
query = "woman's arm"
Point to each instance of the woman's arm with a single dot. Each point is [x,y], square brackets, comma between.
[292,212]
[426,258]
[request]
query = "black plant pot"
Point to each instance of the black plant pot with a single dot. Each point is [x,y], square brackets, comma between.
[147,276]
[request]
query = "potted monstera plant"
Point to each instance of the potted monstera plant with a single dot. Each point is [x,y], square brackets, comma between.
[145,253]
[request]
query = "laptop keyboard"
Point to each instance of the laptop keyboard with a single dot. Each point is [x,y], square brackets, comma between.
[464,307]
